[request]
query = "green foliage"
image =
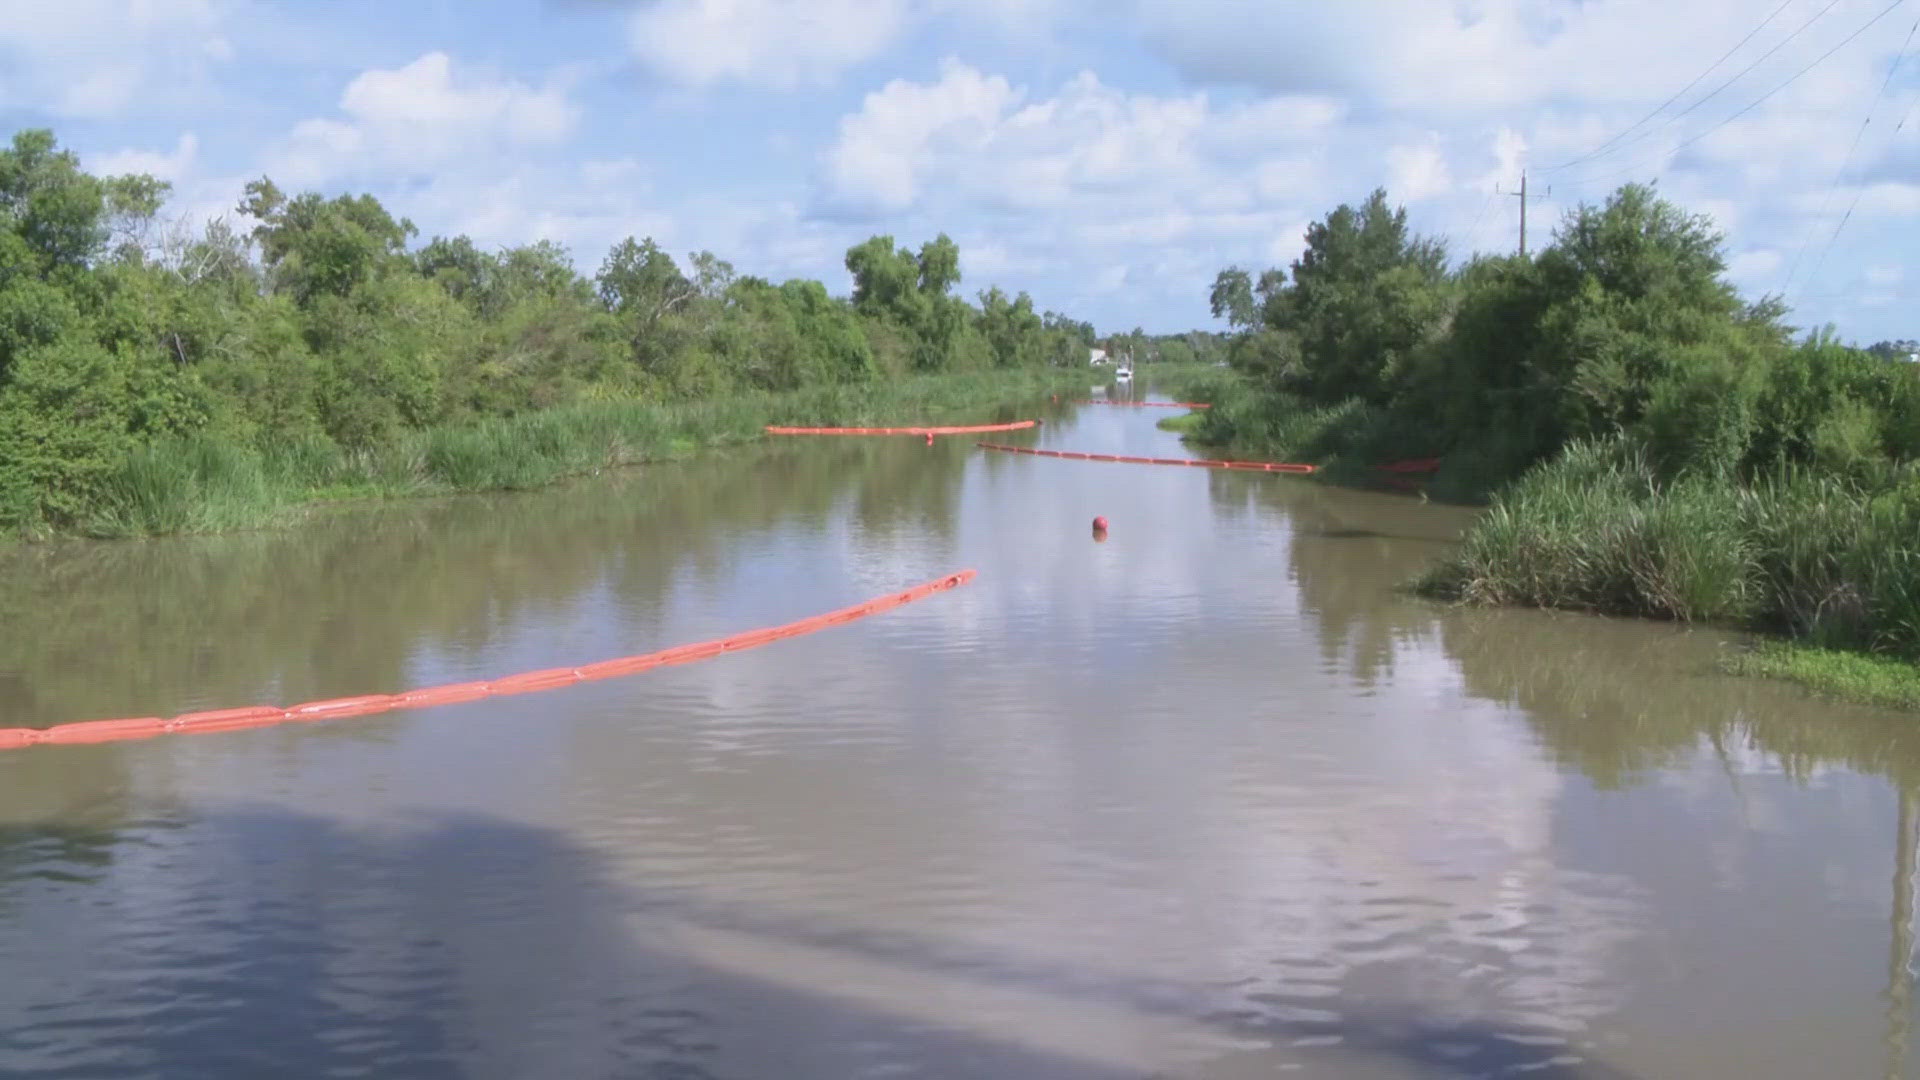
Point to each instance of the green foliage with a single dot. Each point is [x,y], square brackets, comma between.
[65,216]
[64,425]
[1652,444]
[640,282]
[1365,295]
[190,382]
[1232,298]
[199,483]
[1623,327]
[1598,528]
[1885,681]
[315,247]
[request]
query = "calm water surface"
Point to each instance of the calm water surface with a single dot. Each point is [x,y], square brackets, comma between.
[1210,799]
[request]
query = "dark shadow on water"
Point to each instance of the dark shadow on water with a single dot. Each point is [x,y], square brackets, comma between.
[256,942]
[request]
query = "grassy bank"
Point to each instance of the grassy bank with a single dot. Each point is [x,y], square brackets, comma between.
[1825,563]
[198,485]
[1826,560]
[1884,681]
[1183,424]
[1828,563]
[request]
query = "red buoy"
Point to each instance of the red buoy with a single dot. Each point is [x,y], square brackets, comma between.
[929,438]
[1099,524]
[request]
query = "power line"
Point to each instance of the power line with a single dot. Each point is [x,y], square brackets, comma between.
[1676,97]
[1855,201]
[1715,92]
[1841,172]
[1473,232]
[1884,12]
[1908,116]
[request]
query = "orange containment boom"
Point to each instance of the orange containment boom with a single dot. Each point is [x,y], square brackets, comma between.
[1250,466]
[974,429]
[1153,404]
[254,716]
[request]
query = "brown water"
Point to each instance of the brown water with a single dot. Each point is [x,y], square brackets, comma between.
[1209,799]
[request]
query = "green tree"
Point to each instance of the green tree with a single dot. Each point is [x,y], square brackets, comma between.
[314,246]
[1365,295]
[1232,298]
[65,216]
[640,281]
[314,322]
[886,281]
[939,264]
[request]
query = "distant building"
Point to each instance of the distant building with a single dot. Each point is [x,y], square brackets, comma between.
[1098,358]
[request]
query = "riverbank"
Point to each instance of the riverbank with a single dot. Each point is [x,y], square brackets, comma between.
[1860,678]
[207,485]
[1822,564]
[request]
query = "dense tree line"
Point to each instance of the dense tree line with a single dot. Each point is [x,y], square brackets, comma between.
[328,319]
[1624,327]
[1654,443]
[1192,347]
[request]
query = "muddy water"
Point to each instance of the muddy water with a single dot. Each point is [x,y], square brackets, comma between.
[1209,799]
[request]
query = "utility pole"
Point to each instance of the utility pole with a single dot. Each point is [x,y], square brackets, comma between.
[1523,212]
[1522,193]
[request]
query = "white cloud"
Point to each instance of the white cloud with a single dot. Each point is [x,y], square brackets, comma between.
[979,137]
[1117,178]
[778,42]
[172,167]
[1287,243]
[421,115]
[1114,189]
[101,58]
[1420,171]
[795,43]
[587,209]
[1421,55]
[905,128]
[1754,264]
[1887,200]
[1094,196]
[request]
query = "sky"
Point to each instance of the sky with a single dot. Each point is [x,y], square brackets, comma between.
[1106,156]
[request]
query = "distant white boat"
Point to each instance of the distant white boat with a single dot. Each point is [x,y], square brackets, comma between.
[1123,374]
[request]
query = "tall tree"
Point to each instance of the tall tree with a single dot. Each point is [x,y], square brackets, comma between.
[314,246]
[66,216]
[639,280]
[1366,292]
[1232,298]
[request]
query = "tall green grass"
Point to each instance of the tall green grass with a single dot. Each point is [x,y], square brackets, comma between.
[204,484]
[1814,556]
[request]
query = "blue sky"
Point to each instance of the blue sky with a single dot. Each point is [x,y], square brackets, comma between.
[1106,157]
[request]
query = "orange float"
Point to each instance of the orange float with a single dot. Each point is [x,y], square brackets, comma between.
[1075,455]
[253,716]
